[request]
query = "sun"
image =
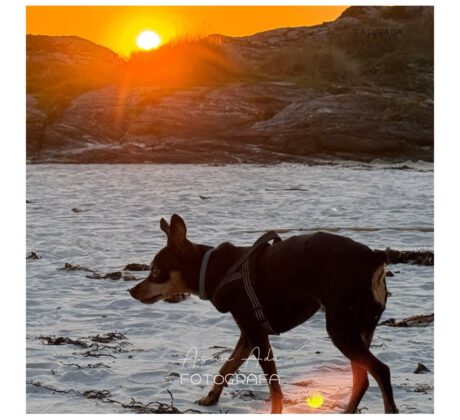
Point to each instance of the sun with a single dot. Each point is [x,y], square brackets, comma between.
[148,40]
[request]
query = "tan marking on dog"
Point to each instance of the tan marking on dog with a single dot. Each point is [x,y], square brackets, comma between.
[379,289]
[175,285]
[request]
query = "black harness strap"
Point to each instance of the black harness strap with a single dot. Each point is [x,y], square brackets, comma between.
[235,274]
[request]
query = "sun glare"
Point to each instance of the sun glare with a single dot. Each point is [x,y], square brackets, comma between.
[148,40]
[315,401]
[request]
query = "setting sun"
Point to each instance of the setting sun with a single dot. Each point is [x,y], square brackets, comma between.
[118,27]
[148,40]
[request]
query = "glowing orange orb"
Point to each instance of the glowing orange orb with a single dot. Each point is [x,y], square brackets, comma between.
[148,40]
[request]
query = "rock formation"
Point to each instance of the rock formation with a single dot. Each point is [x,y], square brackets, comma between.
[360,87]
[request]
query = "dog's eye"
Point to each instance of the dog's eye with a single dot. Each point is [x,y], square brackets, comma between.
[158,276]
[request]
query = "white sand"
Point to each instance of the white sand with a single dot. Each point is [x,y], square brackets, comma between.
[122,205]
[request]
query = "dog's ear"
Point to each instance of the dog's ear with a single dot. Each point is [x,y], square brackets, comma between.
[177,231]
[164,226]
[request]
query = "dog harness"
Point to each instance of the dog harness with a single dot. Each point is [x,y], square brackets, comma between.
[240,271]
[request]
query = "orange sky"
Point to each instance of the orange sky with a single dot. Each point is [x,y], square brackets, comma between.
[117,27]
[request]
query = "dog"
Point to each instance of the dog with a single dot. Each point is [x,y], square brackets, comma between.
[291,280]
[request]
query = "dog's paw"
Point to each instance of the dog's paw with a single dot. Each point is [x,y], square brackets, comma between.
[208,400]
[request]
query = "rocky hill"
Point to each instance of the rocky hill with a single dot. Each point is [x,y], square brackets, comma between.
[360,87]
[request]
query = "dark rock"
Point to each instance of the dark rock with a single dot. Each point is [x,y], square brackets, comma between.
[117,275]
[33,256]
[270,97]
[137,267]
[95,276]
[36,123]
[391,322]
[421,257]
[71,267]
[129,277]
[389,273]
[421,368]
[413,321]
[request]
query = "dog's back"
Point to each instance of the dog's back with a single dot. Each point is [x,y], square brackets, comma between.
[316,261]
[298,275]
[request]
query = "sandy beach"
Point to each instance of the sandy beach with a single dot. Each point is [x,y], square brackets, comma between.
[103,217]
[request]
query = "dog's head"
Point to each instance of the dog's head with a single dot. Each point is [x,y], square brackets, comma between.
[174,269]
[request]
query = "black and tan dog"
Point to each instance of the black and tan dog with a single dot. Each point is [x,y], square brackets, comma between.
[294,278]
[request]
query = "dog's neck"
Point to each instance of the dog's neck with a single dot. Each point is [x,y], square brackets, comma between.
[219,262]
[202,279]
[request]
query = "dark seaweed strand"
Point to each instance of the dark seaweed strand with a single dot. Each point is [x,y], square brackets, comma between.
[153,407]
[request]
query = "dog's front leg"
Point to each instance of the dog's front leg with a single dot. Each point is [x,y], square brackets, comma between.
[240,353]
[262,349]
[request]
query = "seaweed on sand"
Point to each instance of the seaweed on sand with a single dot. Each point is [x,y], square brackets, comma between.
[104,395]
[97,343]
[412,321]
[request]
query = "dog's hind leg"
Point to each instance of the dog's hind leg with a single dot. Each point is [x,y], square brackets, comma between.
[240,353]
[353,346]
[262,349]
[360,380]
[360,385]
